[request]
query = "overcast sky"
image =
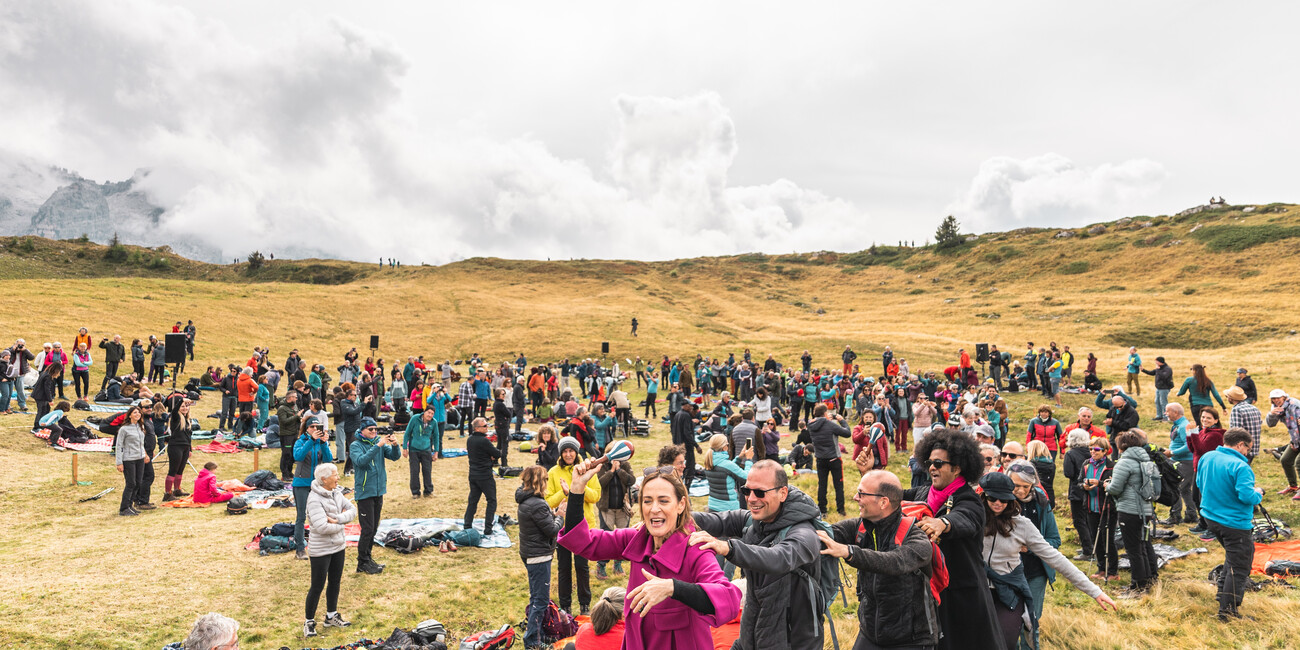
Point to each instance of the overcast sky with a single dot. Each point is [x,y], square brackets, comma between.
[434,131]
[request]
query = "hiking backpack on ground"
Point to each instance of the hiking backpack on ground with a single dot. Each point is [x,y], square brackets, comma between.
[556,623]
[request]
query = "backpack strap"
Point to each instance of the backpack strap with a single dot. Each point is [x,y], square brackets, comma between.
[904,525]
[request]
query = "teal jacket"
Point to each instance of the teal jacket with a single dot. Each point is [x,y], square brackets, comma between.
[419,436]
[1227,485]
[439,405]
[604,429]
[1198,398]
[723,479]
[368,462]
[1046,526]
[1178,441]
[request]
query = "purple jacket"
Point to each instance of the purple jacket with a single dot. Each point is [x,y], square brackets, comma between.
[670,624]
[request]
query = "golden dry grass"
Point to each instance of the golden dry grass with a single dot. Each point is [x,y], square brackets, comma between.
[82,577]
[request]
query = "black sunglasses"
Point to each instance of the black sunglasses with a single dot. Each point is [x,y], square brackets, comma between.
[758,493]
[1012,456]
[936,463]
[652,471]
[988,460]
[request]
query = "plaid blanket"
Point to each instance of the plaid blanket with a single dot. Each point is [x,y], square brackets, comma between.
[99,444]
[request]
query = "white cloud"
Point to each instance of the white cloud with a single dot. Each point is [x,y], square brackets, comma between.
[1051,190]
[308,148]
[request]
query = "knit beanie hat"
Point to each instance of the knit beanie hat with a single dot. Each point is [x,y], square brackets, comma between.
[569,442]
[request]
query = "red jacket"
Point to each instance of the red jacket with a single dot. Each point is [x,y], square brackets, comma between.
[1049,432]
[587,638]
[861,437]
[965,359]
[206,491]
[247,387]
[1204,442]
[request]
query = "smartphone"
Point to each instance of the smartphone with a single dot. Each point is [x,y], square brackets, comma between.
[749,443]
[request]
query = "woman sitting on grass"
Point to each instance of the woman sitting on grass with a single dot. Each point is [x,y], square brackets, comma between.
[205,486]
[677,590]
[605,629]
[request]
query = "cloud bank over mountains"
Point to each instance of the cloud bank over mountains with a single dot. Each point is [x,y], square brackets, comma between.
[308,145]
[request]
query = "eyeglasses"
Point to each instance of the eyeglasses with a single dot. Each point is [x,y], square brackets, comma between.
[757,492]
[1012,456]
[988,460]
[936,463]
[869,494]
[1097,448]
[664,470]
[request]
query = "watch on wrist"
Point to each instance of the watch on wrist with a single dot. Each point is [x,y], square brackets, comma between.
[947,525]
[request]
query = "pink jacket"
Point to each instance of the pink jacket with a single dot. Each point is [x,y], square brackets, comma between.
[669,624]
[206,491]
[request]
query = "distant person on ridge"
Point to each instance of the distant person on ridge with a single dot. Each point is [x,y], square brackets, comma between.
[634,325]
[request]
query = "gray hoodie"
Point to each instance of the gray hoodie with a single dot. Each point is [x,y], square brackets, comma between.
[322,505]
[130,443]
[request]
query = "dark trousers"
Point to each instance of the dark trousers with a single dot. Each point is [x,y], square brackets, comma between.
[286,459]
[1290,463]
[1079,517]
[466,415]
[81,383]
[325,569]
[1137,543]
[503,445]
[300,494]
[156,371]
[42,409]
[228,405]
[688,474]
[1102,544]
[110,371]
[650,399]
[519,415]
[570,564]
[1031,378]
[421,466]
[480,407]
[996,373]
[142,492]
[481,486]
[138,368]
[1045,382]
[133,472]
[177,457]
[1239,553]
[795,404]
[624,417]
[368,511]
[539,599]
[834,467]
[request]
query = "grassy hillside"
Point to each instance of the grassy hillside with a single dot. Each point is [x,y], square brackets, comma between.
[84,577]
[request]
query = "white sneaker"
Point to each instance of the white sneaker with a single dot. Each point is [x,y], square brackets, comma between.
[336,620]
[309,629]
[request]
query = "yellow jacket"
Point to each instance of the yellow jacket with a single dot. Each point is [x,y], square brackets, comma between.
[555,494]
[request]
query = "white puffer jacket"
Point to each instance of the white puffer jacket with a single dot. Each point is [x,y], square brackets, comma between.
[323,505]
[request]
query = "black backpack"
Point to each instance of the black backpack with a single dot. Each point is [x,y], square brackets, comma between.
[236,506]
[402,542]
[1170,479]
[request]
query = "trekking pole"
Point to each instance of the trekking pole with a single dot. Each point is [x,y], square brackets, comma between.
[1101,524]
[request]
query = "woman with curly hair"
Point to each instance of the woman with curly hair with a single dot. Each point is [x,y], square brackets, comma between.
[953,460]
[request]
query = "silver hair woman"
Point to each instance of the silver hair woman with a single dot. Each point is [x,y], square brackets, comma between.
[213,632]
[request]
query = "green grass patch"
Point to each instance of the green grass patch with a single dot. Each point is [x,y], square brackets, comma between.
[1186,336]
[1240,238]
[1074,268]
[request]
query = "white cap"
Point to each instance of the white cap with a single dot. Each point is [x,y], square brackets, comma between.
[1276,393]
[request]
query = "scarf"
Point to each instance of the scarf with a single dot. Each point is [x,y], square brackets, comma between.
[936,498]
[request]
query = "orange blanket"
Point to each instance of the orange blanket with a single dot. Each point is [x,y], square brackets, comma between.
[183,502]
[1287,549]
[234,485]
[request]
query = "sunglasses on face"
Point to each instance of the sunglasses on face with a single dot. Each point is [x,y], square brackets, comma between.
[992,500]
[1098,448]
[988,460]
[1012,456]
[658,471]
[757,492]
[936,463]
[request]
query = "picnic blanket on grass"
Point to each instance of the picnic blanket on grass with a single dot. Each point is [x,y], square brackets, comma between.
[261,499]
[110,408]
[99,444]
[183,502]
[427,528]
[217,447]
[454,452]
[1164,555]
[234,485]
[351,534]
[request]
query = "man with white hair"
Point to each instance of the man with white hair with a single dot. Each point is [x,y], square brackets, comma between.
[1181,454]
[212,631]
[1085,424]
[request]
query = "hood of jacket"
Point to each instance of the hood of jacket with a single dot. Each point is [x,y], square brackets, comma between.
[523,494]
[320,489]
[1138,454]
[798,507]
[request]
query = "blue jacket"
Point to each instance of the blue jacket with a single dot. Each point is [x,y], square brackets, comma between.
[723,479]
[368,462]
[482,389]
[419,436]
[1178,440]
[309,453]
[1227,486]
[603,430]
[439,405]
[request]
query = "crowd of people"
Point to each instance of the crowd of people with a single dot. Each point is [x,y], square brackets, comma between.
[977,494]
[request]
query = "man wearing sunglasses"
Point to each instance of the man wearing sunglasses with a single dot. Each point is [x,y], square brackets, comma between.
[895,608]
[772,539]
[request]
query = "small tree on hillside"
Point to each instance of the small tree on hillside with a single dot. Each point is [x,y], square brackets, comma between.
[116,252]
[949,233]
[255,260]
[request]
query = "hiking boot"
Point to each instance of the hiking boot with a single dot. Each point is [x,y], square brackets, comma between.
[1082,557]
[301,554]
[57,447]
[1288,490]
[127,513]
[586,611]
[618,568]
[1275,453]
[1130,592]
[309,628]
[1172,521]
[600,573]
[369,567]
[168,497]
[336,620]
[180,493]
[145,506]
[1296,497]
[1196,530]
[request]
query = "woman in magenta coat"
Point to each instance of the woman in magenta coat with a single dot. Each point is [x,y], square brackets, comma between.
[676,591]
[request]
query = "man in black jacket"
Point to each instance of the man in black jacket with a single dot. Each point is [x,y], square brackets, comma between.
[848,357]
[114,353]
[895,607]
[501,422]
[823,433]
[482,455]
[683,428]
[1164,375]
[1120,418]
[778,603]
[1246,384]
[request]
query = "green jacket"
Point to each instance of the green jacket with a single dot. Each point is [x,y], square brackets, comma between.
[368,461]
[419,436]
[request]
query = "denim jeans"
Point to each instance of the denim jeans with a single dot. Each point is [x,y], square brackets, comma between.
[300,494]
[539,599]
[5,395]
[18,393]
[1162,400]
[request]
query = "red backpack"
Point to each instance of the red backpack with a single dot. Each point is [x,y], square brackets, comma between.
[913,510]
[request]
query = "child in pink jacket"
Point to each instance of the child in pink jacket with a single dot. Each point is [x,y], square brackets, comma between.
[205,486]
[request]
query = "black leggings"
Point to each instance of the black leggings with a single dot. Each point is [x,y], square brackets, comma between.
[286,458]
[650,400]
[325,567]
[81,382]
[177,456]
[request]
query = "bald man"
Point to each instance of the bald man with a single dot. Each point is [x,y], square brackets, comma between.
[895,607]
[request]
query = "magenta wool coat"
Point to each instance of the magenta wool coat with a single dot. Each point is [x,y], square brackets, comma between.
[670,625]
